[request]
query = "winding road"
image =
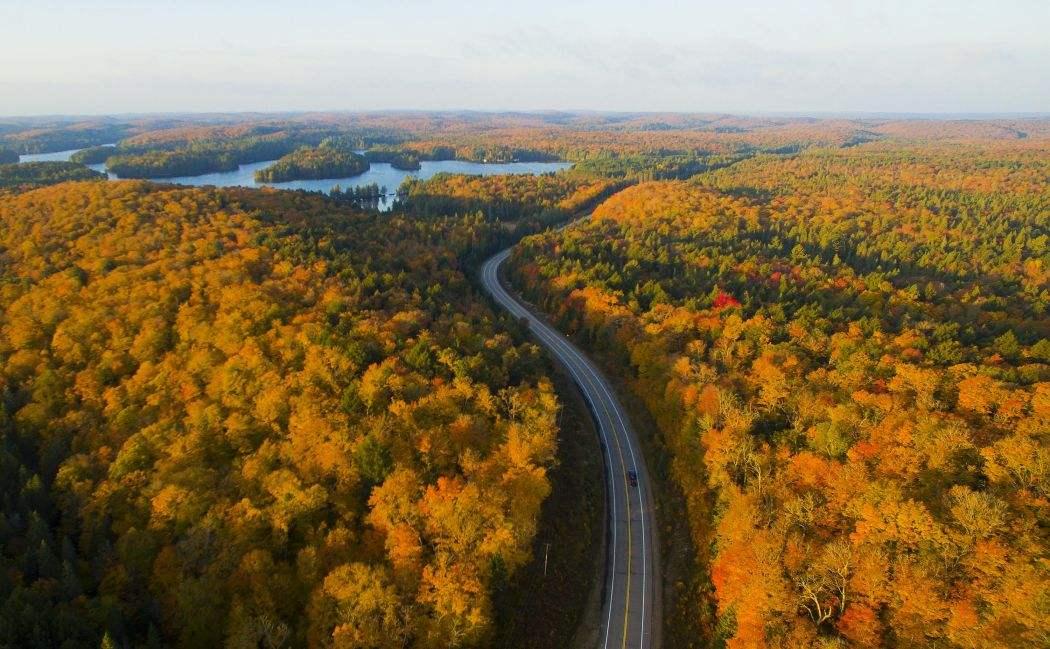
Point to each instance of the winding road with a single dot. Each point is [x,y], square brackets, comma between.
[630,613]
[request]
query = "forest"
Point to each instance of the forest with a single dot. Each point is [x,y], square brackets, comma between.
[398,159]
[256,418]
[7,156]
[481,152]
[363,196]
[268,418]
[547,197]
[47,138]
[847,356]
[198,157]
[325,161]
[37,174]
[94,155]
[170,164]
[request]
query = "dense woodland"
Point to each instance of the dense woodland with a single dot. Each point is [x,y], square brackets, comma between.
[261,418]
[398,158]
[481,152]
[363,196]
[37,174]
[254,418]
[308,163]
[94,155]
[199,157]
[7,156]
[847,353]
[548,198]
[170,164]
[47,138]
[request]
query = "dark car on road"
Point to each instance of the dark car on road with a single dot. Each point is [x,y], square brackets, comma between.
[632,478]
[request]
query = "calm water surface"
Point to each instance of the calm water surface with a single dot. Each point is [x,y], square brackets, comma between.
[57,156]
[380,173]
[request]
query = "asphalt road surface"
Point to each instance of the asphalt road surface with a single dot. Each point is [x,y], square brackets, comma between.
[629,602]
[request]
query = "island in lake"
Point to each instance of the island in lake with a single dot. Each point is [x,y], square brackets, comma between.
[398,159]
[314,163]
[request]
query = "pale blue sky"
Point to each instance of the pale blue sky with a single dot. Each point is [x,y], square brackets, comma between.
[98,56]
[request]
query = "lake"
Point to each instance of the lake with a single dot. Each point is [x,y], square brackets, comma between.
[57,156]
[380,173]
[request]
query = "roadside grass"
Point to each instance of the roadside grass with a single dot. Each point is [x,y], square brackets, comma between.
[546,611]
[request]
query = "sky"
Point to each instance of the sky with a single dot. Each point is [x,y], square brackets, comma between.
[771,56]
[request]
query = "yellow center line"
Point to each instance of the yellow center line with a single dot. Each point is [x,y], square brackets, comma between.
[592,380]
[627,498]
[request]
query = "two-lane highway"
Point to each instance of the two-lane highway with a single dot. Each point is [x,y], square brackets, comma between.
[630,615]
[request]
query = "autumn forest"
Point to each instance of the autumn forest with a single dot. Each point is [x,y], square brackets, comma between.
[260,418]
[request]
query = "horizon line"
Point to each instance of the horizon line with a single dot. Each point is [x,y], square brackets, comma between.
[816,114]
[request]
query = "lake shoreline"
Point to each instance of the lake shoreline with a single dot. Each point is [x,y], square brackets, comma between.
[383,174]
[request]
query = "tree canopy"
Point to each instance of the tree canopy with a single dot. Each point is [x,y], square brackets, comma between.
[847,353]
[27,175]
[261,418]
[253,417]
[325,161]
